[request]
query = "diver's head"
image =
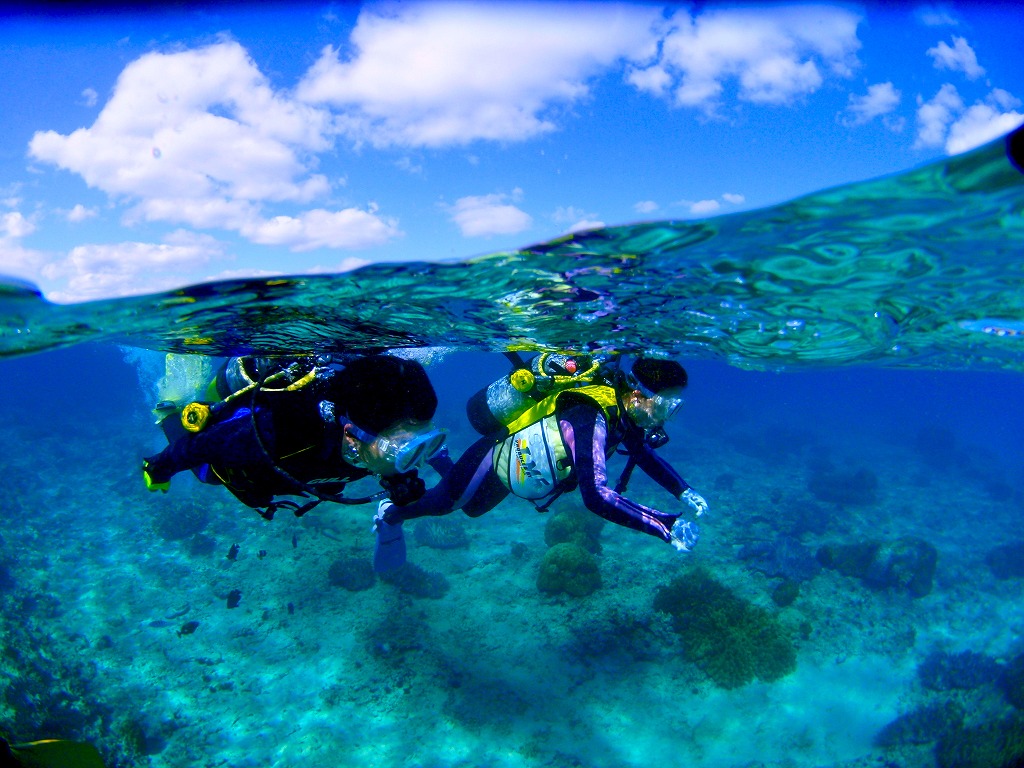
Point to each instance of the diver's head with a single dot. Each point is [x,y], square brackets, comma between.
[388,403]
[652,391]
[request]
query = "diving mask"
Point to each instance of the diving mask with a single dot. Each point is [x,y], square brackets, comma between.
[649,410]
[400,448]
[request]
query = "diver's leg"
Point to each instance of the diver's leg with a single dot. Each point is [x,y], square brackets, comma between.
[456,489]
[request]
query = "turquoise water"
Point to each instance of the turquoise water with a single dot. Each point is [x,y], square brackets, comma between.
[854,414]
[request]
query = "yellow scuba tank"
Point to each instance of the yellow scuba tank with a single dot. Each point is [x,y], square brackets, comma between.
[499,404]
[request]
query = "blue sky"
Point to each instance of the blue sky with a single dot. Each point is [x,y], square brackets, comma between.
[141,151]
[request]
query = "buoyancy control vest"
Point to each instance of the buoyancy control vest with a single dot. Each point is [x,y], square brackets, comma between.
[499,404]
[533,461]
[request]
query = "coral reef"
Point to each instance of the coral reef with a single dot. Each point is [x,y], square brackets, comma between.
[202,545]
[352,573]
[416,581]
[441,533]
[570,568]
[966,670]
[1012,681]
[786,593]
[827,483]
[1007,560]
[7,582]
[730,639]
[785,557]
[908,563]
[922,726]
[183,520]
[998,744]
[576,526]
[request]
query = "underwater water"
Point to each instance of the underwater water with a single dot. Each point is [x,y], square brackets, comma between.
[853,418]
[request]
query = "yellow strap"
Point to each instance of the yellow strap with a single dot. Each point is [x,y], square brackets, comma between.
[601,394]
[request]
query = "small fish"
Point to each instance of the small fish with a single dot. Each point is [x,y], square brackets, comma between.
[233,552]
[234,598]
[188,628]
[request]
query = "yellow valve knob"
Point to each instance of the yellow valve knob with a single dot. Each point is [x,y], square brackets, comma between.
[523,380]
[194,416]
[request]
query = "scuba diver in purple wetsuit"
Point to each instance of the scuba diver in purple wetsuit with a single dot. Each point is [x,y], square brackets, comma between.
[559,442]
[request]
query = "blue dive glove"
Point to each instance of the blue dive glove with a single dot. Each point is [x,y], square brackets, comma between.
[695,500]
[684,535]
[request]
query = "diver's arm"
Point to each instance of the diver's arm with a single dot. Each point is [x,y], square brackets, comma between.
[586,433]
[654,465]
[659,470]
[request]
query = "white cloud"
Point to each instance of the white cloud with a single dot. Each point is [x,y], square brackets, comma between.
[735,199]
[959,58]
[880,100]
[129,268]
[90,97]
[576,218]
[482,215]
[932,16]
[349,228]
[946,121]
[437,74]
[984,122]
[585,224]
[15,259]
[14,225]
[199,137]
[935,116]
[80,213]
[645,206]
[774,54]
[702,207]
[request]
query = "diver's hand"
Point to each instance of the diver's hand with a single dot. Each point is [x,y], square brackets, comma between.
[695,500]
[684,535]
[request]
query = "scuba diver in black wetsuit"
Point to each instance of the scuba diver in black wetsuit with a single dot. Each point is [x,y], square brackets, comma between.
[561,443]
[306,427]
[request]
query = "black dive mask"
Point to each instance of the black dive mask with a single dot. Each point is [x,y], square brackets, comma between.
[404,487]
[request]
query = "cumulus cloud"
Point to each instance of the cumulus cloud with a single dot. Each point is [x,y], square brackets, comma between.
[984,121]
[959,57]
[478,216]
[80,213]
[735,199]
[576,218]
[199,137]
[15,259]
[771,55]
[880,100]
[946,121]
[14,225]
[935,116]
[129,268]
[932,16]
[351,228]
[704,207]
[645,207]
[438,74]
[90,97]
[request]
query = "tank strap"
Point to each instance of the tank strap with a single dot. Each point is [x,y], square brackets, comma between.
[601,394]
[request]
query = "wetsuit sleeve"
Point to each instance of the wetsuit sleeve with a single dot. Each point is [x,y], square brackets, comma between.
[586,435]
[653,465]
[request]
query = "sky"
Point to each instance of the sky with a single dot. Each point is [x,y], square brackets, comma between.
[143,148]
